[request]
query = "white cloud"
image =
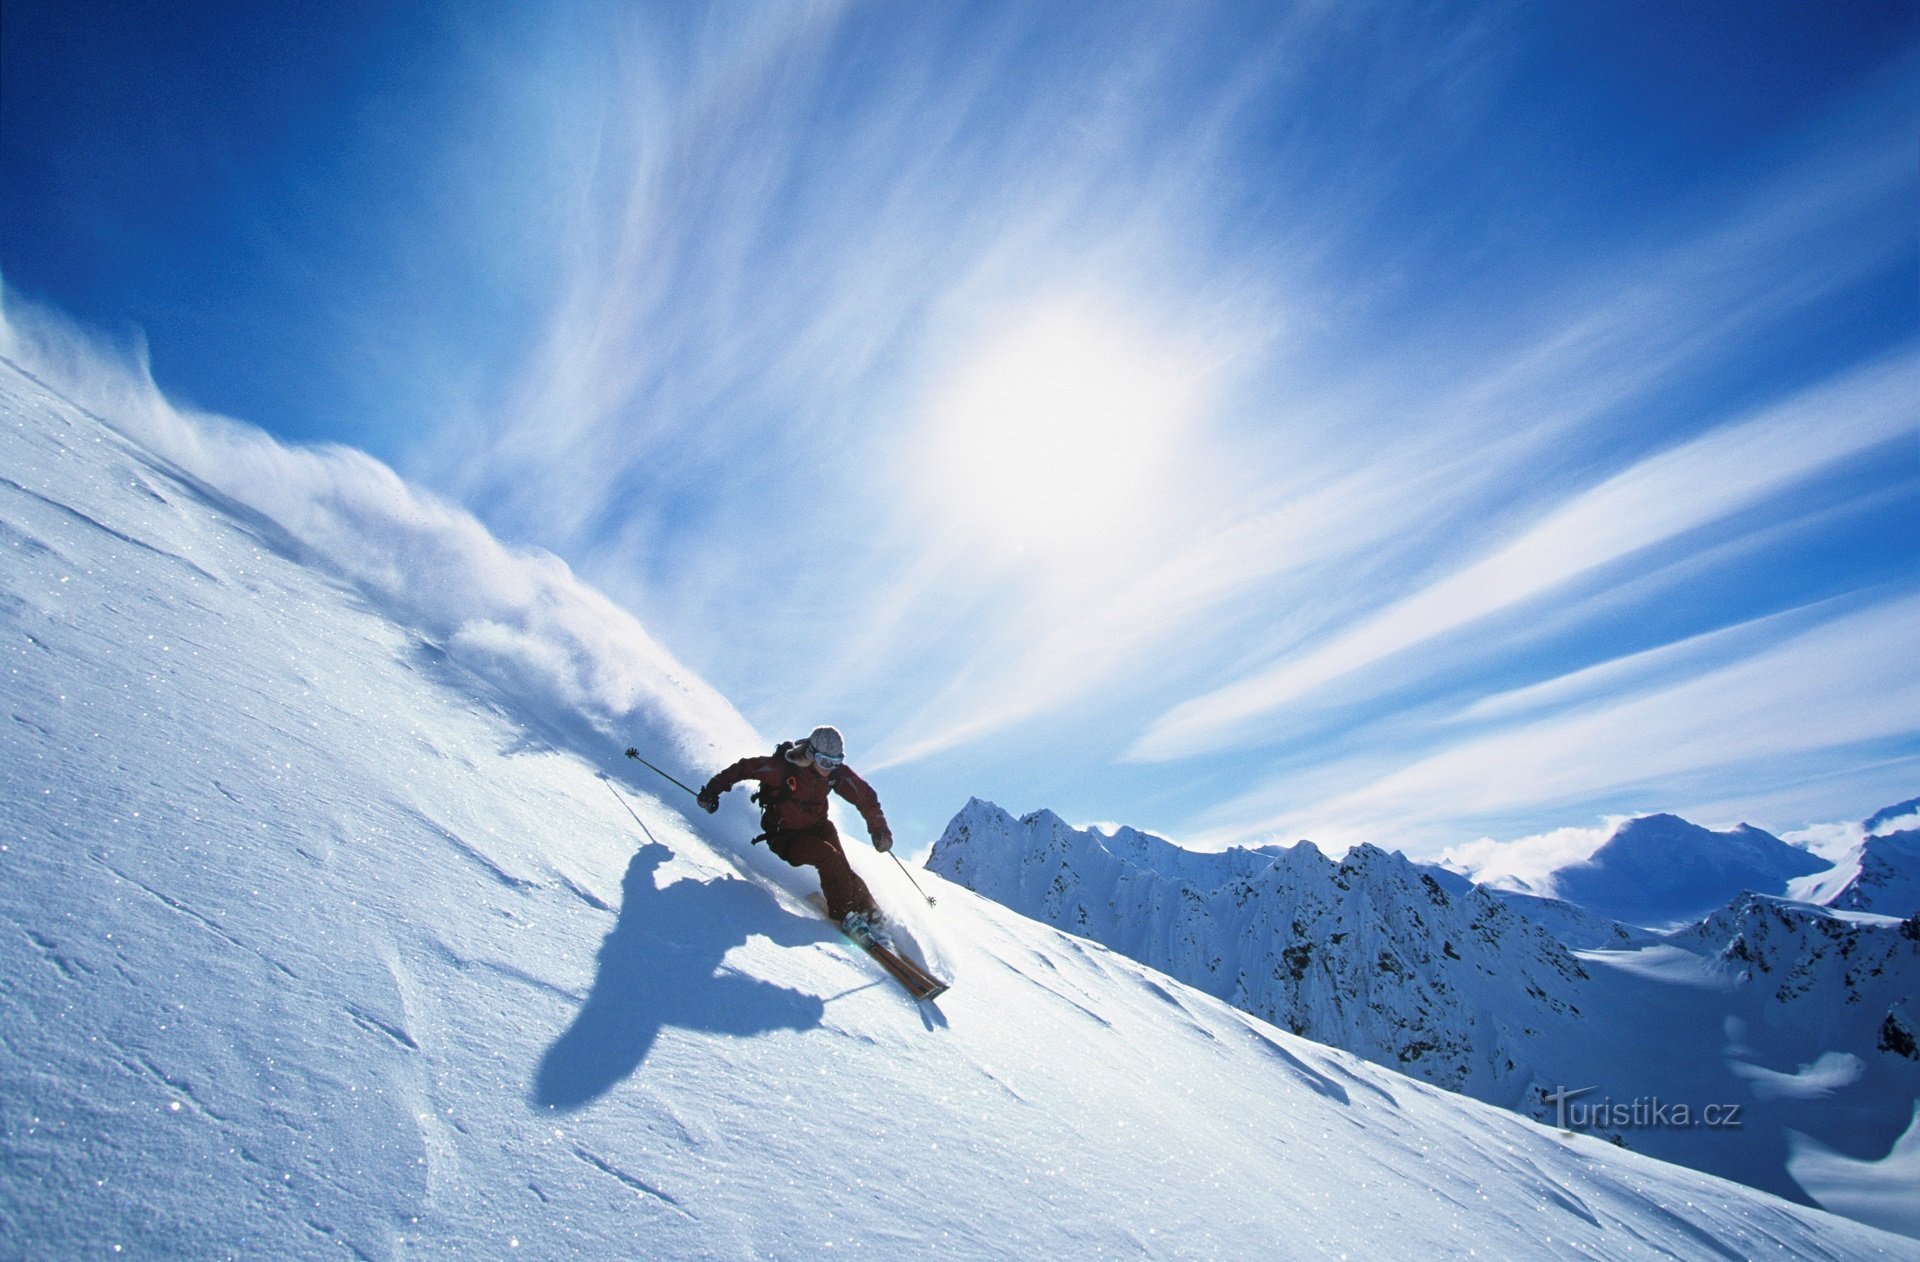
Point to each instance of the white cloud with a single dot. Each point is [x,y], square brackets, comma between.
[1632,673]
[1831,841]
[1526,863]
[1677,490]
[1850,681]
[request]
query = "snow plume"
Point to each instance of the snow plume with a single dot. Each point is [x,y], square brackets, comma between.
[577,669]
[1834,842]
[1528,863]
[1894,819]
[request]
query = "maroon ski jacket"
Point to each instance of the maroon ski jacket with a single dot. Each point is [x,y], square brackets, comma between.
[797,796]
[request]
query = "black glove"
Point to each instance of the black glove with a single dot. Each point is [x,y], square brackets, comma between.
[632,752]
[708,799]
[883,843]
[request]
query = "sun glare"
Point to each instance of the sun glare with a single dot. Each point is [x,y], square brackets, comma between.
[1055,436]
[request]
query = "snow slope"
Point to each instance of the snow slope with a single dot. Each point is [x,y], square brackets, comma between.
[325,938]
[1426,973]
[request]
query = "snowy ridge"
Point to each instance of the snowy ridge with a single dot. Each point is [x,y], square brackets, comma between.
[1574,926]
[1367,953]
[1878,873]
[1887,879]
[323,941]
[1570,925]
[1831,979]
[1423,972]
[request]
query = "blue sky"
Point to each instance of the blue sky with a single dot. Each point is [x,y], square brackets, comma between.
[1366,422]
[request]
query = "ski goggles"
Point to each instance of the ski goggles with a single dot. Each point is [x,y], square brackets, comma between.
[826,761]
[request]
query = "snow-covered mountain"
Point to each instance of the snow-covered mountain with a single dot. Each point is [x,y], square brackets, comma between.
[1368,953]
[1426,973]
[1833,977]
[1887,878]
[1880,873]
[1664,870]
[1660,870]
[328,936]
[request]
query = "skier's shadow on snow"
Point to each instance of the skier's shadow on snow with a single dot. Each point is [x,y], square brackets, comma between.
[660,966]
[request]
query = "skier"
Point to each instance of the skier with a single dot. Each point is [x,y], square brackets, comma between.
[794,783]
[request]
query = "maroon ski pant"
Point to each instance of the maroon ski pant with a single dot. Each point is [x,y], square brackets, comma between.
[818,846]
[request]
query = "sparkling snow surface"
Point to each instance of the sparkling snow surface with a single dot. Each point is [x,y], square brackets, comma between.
[323,939]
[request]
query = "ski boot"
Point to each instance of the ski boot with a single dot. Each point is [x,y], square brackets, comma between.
[864,926]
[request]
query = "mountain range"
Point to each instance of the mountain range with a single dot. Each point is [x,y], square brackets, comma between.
[1800,1017]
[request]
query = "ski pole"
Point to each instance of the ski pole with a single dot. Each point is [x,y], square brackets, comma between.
[910,881]
[635,755]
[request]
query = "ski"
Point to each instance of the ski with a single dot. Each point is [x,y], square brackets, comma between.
[916,981]
[913,979]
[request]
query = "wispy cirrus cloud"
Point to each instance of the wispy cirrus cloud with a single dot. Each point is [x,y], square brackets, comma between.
[1730,468]
[1832,690]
